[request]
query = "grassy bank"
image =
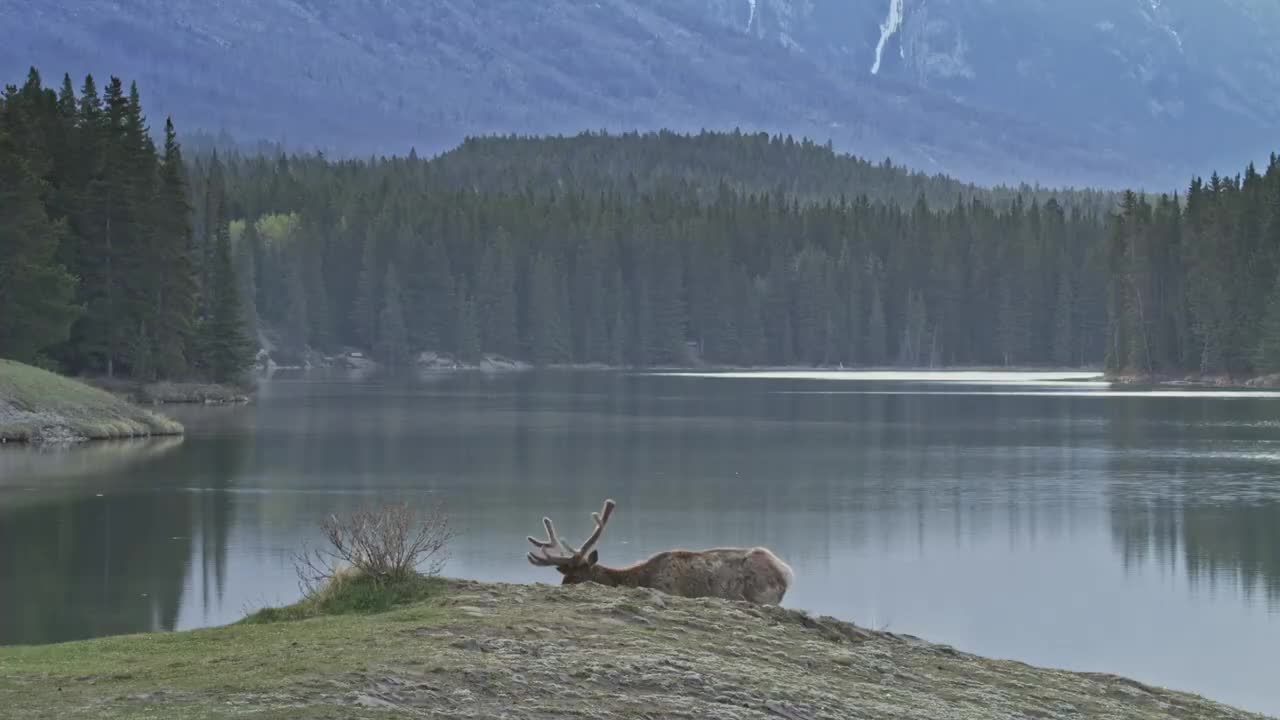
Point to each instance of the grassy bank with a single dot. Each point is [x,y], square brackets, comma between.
[39,406]
[485,650]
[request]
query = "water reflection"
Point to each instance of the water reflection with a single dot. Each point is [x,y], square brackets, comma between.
[993,516]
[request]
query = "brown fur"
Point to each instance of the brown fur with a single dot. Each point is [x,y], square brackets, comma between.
[751,574]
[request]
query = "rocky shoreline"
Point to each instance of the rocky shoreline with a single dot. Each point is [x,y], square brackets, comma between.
[170,393]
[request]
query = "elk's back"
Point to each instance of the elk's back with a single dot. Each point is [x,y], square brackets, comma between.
[751,574]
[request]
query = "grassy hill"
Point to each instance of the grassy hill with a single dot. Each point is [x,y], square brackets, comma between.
[537,651]
[40,406]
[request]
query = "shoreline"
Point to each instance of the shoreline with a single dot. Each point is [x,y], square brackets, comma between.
[167,392]
[42,408]
[1195,380]
[480,649]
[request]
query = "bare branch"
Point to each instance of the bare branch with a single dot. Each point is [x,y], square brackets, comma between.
[390,543]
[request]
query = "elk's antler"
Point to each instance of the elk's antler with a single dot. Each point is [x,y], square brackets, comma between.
[544,557]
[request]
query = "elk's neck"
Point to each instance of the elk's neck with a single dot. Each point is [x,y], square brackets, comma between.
[614,577]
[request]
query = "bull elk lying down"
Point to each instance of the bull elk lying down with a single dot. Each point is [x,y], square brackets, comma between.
[752,574]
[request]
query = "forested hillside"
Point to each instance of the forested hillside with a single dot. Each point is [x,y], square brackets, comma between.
[634,267]
[99,269]
[642,249]
[636,163]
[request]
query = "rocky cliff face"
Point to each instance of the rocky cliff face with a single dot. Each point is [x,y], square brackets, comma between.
[1092,91]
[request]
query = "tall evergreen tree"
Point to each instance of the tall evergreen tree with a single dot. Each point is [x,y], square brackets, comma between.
[1267,355]
[392,346]
[225,351]
[549,333]
[174,301]
[36,292]
[468,328]
[877,328]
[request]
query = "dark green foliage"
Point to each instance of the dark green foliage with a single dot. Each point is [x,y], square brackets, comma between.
[225,351]
[468,329]
[1267,356]
[392,346]
[548,330]
[36,292]
[116,240]
[495,303]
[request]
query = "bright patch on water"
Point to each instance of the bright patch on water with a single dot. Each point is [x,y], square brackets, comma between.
[964,377]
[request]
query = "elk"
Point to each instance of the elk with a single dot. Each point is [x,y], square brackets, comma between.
[752,574]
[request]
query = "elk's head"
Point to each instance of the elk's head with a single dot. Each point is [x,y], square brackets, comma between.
[575,565]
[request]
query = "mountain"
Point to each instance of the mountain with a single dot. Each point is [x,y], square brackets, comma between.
[1105,92]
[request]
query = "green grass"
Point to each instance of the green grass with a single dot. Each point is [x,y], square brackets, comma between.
[273,656]
[352,594]
[36,404]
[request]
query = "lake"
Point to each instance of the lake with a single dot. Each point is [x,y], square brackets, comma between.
[1039,517]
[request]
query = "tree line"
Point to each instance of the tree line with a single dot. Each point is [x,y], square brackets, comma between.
[398,256]
[100,271]
[1192,281]
[638,249]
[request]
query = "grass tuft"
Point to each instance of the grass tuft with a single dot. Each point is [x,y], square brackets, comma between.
[352,593]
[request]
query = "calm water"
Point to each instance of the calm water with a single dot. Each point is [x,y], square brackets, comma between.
[1052,522]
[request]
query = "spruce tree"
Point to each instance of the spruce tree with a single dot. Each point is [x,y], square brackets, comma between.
[370,298]
[1267,356]
[1064,339]
[225,351]
[877,329]
[468,329]
[495,301]
[549,333]
[174,303]
[392,346]
[247,248]
[36,292]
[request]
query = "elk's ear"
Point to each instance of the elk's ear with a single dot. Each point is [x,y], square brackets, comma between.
[593,558]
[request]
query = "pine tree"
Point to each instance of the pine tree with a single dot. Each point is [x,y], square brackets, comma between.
[468,329]
[1267,356]
[753,350]
[1064,339]
[549,333]
[392,345]
[247,248]
[175,288]
[370,298]
[877,329]
[856,332]
[36,292]
[496,299]
[225,351]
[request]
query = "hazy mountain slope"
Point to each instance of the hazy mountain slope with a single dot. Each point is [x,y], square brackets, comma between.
[1094,91]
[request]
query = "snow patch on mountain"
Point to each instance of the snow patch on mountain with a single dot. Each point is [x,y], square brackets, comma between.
[888,28]
[1156,18]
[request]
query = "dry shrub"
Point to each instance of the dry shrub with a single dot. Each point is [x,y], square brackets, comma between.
[389,544]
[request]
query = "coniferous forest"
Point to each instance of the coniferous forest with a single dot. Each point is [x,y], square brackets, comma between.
[100,271]
[121,257]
